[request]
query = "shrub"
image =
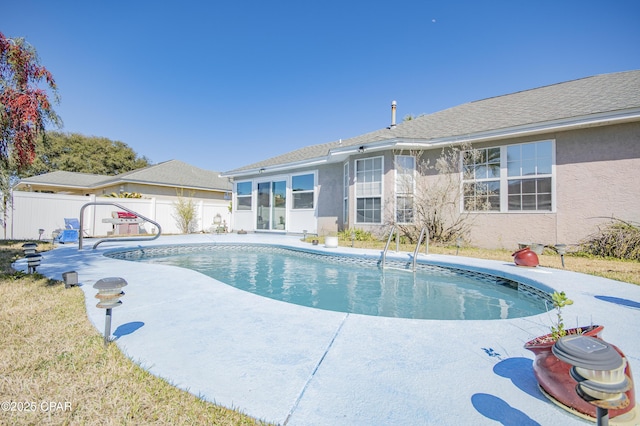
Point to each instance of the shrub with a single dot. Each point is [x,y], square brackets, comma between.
[124,195]
[618,239]
[185,214]
[360,235]
[436,197]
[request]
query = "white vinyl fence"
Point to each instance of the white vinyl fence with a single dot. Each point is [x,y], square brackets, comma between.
[32,211]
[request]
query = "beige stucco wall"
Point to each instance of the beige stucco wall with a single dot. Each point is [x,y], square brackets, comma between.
[160,191]
[597,177]
[147,191]
[388,190]
[329,207]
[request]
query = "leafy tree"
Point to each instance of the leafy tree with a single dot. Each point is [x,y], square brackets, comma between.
[25,107]
[74,152]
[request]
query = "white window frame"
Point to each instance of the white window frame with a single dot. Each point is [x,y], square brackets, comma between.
[369,195]
[402,190]
[249,196]
[311,191]
[536,175]
[504,180]
[345,193]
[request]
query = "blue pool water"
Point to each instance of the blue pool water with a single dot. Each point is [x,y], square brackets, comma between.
[345,284]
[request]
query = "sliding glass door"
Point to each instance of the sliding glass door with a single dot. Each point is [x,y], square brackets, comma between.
[272,201]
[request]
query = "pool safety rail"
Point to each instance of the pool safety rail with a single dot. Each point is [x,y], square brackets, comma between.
[386,246]
[423,233]
[103,240]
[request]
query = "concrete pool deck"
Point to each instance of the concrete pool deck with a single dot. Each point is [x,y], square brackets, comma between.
[294,365]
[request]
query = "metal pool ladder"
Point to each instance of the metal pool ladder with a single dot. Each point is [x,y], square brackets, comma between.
[386,247]
[423,233]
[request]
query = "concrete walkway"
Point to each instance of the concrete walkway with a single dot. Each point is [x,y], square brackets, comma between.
[294,365]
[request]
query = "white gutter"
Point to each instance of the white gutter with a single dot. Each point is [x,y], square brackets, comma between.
[278,167]
[338,154]
[573,123]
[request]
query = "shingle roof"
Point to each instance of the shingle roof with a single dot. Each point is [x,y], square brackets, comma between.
[169,173]
[64,178]
[176,173]
[583,98]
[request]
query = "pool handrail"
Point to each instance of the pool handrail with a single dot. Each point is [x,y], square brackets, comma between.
[426,246]
[103,240]
[386,247]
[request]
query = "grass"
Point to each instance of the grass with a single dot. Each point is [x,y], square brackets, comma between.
[51,354]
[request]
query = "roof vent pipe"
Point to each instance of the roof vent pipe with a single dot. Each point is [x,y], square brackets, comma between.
[393,114]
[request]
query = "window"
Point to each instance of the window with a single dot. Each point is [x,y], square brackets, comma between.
[368,210]
[481,176]
[243,196]
[529,173]
[345,193]
[405,188]
[510,178]
[302,188]
[369,190]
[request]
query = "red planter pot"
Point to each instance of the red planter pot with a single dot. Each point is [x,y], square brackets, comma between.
[525,257]
[555,380]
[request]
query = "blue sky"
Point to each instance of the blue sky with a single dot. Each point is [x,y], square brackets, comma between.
[221,85]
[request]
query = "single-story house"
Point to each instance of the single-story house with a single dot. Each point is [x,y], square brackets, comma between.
[546,165]
[40,204]
[168,179]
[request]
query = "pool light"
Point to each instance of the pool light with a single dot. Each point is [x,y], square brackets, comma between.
[599,370]
[29,248]
[109,294]
[459,242]
[70,279]
[562,250]
[33,261]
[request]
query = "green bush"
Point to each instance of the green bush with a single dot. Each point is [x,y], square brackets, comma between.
[185,214]
[618,239]
[360,235]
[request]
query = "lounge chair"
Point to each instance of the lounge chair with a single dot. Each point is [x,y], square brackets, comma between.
[71,232]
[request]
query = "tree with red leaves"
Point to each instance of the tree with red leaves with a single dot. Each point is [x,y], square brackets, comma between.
[24,110]
[25,107]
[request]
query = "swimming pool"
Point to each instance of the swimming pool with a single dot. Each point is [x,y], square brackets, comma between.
[352,284]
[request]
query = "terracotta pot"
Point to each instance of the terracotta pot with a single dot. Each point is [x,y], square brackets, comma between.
[525,257]
[555,380]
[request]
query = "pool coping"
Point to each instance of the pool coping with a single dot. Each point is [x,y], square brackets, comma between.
[295,365]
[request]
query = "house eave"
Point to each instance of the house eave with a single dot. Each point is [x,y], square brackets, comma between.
[147,183]
[340,154]
[276,168]
[560,125]
[22,186]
